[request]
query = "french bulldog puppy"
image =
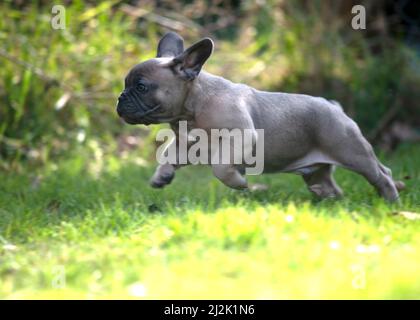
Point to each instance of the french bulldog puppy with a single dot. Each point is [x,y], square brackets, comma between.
[303,134]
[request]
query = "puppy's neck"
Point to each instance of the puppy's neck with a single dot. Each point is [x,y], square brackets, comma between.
[204,88]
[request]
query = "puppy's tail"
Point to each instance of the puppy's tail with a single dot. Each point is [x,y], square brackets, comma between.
[336,103]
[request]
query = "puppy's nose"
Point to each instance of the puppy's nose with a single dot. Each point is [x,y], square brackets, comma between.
[122,96]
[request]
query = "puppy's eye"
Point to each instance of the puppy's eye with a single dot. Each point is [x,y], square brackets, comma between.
[141,87]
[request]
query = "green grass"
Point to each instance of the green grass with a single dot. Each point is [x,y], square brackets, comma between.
[96,219]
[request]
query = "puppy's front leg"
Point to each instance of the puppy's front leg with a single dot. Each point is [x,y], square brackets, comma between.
[165,172]
[163,175]
[226,171]
[229,175]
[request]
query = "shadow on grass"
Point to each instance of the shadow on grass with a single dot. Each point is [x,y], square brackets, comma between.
[116,193]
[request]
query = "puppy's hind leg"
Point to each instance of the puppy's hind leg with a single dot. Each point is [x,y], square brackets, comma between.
[354,152]
[321,182]
[398,184]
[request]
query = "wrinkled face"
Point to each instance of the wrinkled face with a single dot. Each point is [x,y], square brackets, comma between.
[152,93]
[156,89]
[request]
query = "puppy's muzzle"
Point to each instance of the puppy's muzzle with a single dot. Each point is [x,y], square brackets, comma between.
[132,109]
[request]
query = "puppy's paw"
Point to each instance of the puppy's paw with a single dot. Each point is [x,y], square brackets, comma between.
[399,185]
[161,180]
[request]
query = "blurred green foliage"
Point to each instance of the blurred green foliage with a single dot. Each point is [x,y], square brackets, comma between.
[59,87]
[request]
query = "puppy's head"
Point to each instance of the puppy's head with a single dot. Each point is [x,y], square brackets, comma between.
[155,90]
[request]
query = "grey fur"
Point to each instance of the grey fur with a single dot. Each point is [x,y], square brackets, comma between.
[303,134]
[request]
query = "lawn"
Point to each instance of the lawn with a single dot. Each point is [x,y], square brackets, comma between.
[89,226]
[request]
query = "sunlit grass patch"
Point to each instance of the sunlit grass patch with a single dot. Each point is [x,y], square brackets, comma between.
[70,232]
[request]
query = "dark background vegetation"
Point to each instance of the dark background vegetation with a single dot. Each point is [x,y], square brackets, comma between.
[58,88]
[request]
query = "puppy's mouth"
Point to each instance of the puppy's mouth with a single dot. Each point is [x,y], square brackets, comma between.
[146,115]
[134,121]
[143,116]
[150,117]
[153,120]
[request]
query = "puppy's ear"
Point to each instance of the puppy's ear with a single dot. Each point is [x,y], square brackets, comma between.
[189,63]
[170,45]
